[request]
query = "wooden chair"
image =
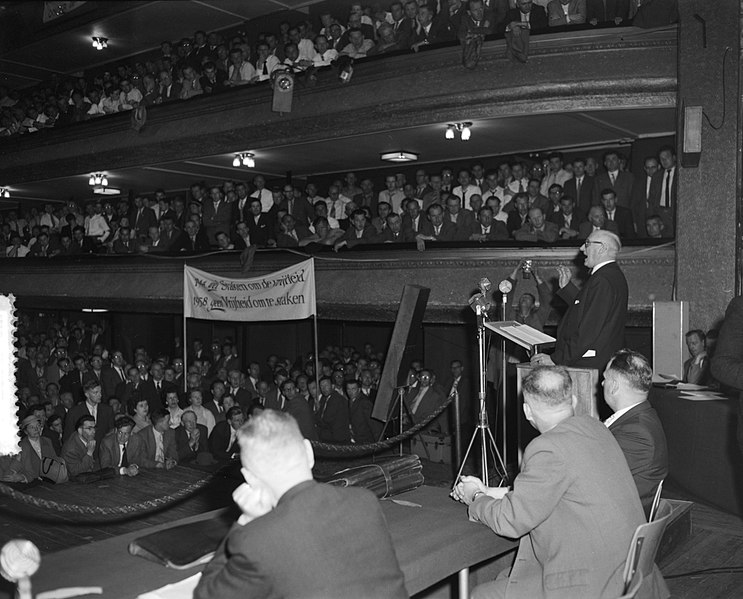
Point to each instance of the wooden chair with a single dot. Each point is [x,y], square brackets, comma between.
[644,547]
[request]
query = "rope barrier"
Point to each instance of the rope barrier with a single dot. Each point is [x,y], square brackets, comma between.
[118,512]
[121,512]
[328,449]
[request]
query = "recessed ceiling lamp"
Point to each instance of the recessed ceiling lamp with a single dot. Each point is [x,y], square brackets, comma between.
[4,192]
[399,156]
[463,128]
[99,43]
[244,159]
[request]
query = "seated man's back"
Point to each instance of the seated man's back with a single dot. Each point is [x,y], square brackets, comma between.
[298,538]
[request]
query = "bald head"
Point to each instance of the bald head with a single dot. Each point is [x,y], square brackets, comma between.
[548,397]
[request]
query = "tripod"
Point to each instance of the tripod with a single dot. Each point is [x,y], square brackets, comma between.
[482,431]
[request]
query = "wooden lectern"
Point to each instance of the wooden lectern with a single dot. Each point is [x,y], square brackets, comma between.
[585,382]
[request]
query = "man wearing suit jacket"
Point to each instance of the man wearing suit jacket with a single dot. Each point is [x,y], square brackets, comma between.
[568,219]
[30,460]
[195,240]
[116,448]
[155,444]
[580,187]
[79,451]
[566,12]
[486,228]
[364,428]
[527,12]
[619,214]
[664,190]
[141,218]
[191,438]
[112,375]
[223,440]
[216,214]
[260,225]
[437,227]
[635,424]
[642,190]
[359,233]
[619,181]
[424,399]
[332,419]
[592,329]
[335,539]
[103,415]
[597,221]
[574,506]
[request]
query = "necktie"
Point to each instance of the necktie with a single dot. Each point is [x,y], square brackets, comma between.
[157,385]
[667,194]
[613,178]
[124,457]
[417,400]
[521,186]
[265,67]
[578,184]
[235,74]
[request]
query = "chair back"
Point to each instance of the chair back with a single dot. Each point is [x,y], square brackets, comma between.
[644,546]
[656,501]
[632,593]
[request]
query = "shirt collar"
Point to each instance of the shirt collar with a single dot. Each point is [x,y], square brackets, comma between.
[619,413]
[601,265]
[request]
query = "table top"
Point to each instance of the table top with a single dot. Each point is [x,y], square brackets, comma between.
[432,536]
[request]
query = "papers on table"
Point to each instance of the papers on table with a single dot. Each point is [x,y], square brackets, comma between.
[178,590]
[520,334]
[707,395]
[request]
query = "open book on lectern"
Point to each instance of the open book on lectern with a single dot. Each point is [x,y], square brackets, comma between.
[521,334]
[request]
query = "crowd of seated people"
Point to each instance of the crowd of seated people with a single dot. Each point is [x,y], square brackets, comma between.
[209,63]
[544,202]
[97,409]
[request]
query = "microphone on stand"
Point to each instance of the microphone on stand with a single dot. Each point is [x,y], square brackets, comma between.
[505,288]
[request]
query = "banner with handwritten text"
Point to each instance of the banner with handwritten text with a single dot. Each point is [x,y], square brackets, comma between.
[287,294]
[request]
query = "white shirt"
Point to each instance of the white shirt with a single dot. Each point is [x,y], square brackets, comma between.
[394,198]
[159,451]
[596,268]
[96,226]
[326,58]
[618,414]
[93,409]
[245,73]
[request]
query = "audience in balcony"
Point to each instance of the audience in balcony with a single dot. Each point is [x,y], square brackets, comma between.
[294,216]
[204,67]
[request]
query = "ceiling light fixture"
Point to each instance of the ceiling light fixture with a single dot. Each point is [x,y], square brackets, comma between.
[100,190]
[99,43]
[98,179]
[399,156]
[244,159]
[464,129]
[4,192]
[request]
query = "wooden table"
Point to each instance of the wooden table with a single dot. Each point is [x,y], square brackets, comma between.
[432,542]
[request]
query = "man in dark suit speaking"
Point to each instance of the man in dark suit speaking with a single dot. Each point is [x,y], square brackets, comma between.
[593,326]
[297,537]
[635,424]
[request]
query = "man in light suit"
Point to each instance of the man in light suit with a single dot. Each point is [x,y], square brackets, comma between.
[574,506]
[592,329]
[635,424]
[335,538]
[155,444]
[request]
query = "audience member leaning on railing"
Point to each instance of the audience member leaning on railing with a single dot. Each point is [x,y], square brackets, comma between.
[546,201]
[207,64]
[222,389]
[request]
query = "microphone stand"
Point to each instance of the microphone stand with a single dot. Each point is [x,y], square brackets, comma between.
[488,446]
[504,394]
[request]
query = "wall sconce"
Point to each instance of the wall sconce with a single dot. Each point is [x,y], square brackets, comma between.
[99,43]
[244,159]
[464,130]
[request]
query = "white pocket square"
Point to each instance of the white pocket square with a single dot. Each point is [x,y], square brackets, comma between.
[590,353]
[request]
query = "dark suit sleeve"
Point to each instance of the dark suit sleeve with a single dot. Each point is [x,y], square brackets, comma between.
[727,361]
[231,574]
